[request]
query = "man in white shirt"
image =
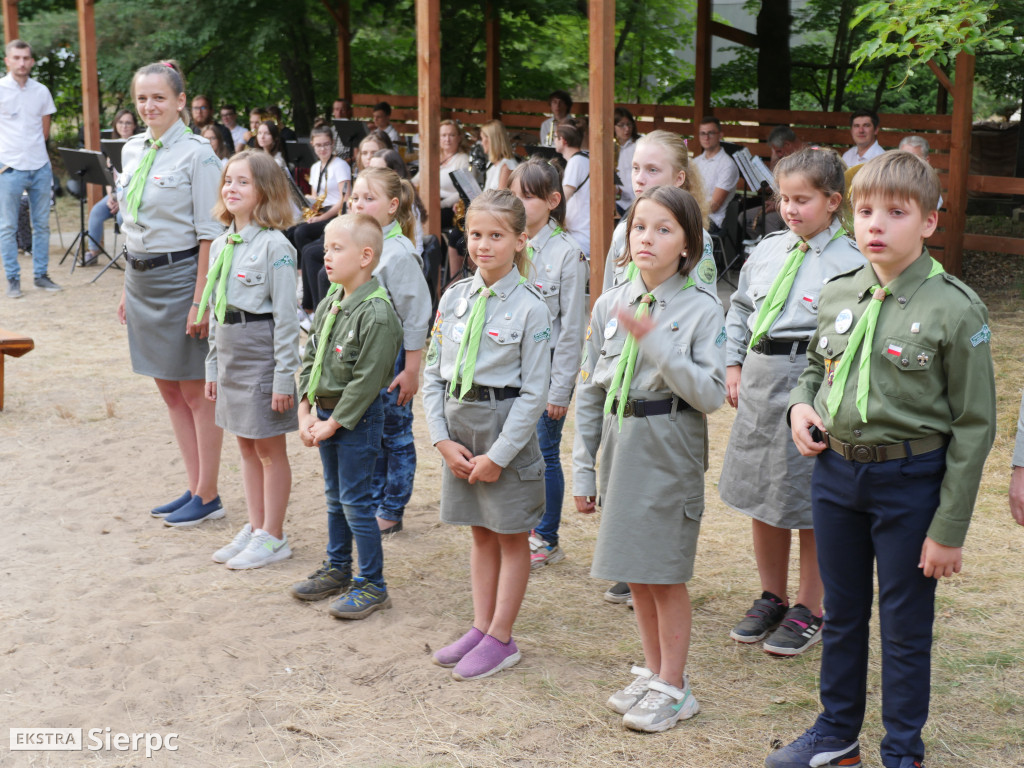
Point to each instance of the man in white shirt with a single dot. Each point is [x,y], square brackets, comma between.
[575,183]
[561,103]
[229,117]
[25,109]
[863,130]
[382,120]
[718,171]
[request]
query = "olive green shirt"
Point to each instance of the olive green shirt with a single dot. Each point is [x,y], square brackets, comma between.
[931,373]
[365,341]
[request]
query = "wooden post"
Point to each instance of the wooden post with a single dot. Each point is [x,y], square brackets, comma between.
[90,86]
[959,163]
[602,154]
[702,79]
[428,56]
[492,42]
[344,53]
[10,20]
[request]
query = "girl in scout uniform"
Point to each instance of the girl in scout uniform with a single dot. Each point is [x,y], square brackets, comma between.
[380,193]
[560,272]
[772,315]
[484,389]
[653,366]
[254,347]
[166,194]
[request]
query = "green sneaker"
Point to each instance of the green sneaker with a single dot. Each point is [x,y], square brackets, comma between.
[362,599]
[326,581]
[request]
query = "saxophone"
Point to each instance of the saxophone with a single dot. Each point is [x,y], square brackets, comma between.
[315,208]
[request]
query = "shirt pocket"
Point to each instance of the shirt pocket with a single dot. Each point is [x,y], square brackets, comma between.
[758,291]
[344,353]
[550,290]
[809,301]
[906,373]
[504,335]
[168,186]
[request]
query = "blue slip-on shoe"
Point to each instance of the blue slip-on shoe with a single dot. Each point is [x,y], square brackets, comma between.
[812,750]
[171,506]
[194,512]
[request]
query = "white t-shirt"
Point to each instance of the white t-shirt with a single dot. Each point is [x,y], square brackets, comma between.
[718,172]
[238,135]
[338,172]
[577,208]
[22,144]
[392,133]
[625,169]
[493,176]
[853,157]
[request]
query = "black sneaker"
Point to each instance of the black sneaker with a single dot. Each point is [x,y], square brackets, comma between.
[44,282]
[762,617]
[618,594]
[362,599]
[799,630]
[326,581]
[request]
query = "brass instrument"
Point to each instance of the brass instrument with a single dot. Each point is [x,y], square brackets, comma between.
[550,141]
[314,209]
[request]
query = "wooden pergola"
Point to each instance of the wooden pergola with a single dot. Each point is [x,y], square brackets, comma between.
[600,108]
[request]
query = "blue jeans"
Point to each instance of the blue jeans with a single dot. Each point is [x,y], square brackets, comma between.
[348,457]
[868,514]
[99,214]
[38,183]
[549,434]
[396,465]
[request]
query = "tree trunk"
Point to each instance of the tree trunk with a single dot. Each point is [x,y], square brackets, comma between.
[841,52]
[295,65]
[773,61]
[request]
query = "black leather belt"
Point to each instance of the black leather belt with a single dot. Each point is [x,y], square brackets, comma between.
[327,403]
[869,454]
[643,408]
[146,261]
[475,393]
[232,317]
[768,347]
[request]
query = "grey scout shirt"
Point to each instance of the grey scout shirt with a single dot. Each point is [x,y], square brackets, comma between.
[400,271]
[705,274]
[513,353]
[560,272]
[682,356]
[825,258]
[180,192]
[262,280]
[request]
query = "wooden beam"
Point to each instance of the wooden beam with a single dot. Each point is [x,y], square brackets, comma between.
[344,52]
[428,65]
[734,35]
[995,185]
[601,129]
[941,76]
[995,244]
[10,8]
[702,79]
[959,162]
[90,86]
[492,44]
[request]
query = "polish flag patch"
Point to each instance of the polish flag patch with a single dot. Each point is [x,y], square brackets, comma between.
[894,350]
[338,348]
[241,275]
[808,299]
[493,332]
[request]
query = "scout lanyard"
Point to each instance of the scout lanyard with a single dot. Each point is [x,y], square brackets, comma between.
[134,195]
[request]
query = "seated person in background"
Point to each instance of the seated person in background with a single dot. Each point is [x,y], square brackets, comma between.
[382,120]
[341,109]
[918,145]
[256,116]
[561,103]
[575,183]
[202,116]
[625,136]
[268,138]
[212,135]
[863,130]
[494,139]
[453,158]
[107,208]
[275,114]
[374,141]
[783,142]
[719,172]
[229,117]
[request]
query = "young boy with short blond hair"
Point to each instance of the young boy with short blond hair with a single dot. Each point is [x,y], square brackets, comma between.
[898,404]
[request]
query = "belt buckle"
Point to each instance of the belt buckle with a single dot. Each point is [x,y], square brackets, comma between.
[138,264]
[628,409]
[864,453]
[758,347]
[472,395]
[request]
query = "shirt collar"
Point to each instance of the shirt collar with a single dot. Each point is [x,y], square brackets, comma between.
[390,227]
[502,288]
[868,150]
[539,240]
[170,136]
[248,232]
[819,241]
[663,293]
[360,293]
[907,283]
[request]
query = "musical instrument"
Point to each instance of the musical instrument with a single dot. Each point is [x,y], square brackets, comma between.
[313,210]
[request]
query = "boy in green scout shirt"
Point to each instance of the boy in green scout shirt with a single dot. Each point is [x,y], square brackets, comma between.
[348,359]
[900,384]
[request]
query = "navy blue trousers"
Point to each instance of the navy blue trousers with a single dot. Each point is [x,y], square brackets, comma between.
[868,514]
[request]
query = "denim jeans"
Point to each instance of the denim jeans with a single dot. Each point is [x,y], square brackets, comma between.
[97,217]
[38,183]
[549,434]
[396,465]
[348,457]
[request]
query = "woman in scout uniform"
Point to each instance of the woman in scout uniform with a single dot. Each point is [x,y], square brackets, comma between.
[653,366]
[254,348]
[772,315]
[485,387]
[560,272]
[167,193]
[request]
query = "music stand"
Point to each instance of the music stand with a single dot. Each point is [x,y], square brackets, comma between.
[300,153]
[112,149]
[757,176]
[90,168]
[536,150]
[466,185]
[349,132]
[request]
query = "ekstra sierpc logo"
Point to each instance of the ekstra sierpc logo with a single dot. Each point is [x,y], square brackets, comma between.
[95,740]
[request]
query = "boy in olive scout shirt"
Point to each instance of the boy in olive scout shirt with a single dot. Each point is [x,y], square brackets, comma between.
[348,359]
[900,382]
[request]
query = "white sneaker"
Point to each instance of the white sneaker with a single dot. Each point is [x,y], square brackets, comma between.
[237,544]
[661,707]
[624,700]
[262,549]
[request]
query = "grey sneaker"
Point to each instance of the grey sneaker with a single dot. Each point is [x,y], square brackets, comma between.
[44,282]
[14,288]
[624,700]
[326,581]
[661,707]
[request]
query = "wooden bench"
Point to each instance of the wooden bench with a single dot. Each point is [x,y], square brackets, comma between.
[15,345]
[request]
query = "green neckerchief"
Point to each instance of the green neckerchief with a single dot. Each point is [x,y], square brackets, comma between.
[775,300]
[133,197]
[529,246]
[863,331]
[469,345]
[623,376]
[324,339]
[394,232]
[219,274]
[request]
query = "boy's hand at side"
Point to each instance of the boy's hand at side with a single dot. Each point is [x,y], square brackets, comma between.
[1017,494]
[484,470]
[586,505]
[938,560]
[281,403]
[801,418]
[457,457]
[323,430]
[407,382]
[732,384]
[557,412]
[211,391]
[306,419]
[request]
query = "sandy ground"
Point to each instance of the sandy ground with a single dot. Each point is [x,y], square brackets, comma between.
[112,621]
